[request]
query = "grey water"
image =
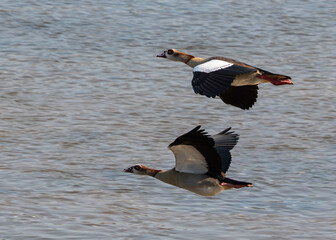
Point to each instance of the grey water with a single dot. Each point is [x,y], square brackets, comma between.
[83,97]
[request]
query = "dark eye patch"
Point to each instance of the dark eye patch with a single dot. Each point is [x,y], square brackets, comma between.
[170,52]
[137,167]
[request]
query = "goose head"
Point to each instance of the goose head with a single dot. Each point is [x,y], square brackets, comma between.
[175,55]
[141,170]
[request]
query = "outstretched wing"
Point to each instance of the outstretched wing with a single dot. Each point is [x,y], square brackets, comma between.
[195,153]
[224,142]
[215,76]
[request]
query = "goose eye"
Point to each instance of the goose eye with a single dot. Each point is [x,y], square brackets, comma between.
[170,52]
[137,167]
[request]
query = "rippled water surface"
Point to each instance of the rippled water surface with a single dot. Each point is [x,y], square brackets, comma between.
[83,96]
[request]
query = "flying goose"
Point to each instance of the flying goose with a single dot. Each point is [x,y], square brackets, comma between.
[236,83]
[201,163]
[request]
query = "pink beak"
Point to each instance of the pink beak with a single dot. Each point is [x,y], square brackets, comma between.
[130,170]
[162,55]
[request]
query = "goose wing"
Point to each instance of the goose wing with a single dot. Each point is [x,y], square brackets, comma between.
[243,97]
[213,77]
[195,153]
[224,142]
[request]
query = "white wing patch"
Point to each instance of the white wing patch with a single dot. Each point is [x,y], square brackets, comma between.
[189,160]
[212,65]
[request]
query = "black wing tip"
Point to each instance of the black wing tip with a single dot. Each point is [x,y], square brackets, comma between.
[228,132]
[196,128]
[225,130]
[245,107]
[243,97]
[195,132]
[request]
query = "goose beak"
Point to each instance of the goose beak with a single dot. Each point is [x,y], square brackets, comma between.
[162,55]
[130,170]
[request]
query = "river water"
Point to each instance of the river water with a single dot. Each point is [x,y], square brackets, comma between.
[83,97]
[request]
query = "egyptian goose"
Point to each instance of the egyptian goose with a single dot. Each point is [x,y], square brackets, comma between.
[236,83]
[201,163]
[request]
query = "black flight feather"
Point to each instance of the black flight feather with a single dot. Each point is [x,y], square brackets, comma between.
[224,142]
[215,149]
[205,144]
[214,83]
[243,97]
